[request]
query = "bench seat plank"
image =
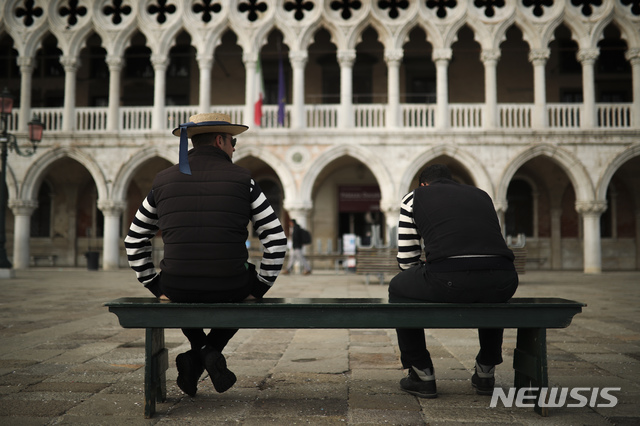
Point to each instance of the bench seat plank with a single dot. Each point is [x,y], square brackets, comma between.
[344,313]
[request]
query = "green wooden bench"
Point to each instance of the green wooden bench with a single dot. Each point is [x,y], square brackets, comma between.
[531,316]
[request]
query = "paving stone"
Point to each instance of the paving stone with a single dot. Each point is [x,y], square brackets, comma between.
[69,362]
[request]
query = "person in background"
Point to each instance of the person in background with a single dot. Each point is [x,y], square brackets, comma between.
[466,260]
[203,206]
[295,231]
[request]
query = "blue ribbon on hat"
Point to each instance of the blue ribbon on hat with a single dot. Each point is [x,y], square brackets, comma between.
[183,159]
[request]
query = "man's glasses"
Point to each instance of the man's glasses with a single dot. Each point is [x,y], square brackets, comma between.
[233,142]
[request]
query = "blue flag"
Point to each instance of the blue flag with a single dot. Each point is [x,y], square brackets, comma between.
[282,91]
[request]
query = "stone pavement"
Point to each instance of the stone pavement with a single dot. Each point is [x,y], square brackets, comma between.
[65,360]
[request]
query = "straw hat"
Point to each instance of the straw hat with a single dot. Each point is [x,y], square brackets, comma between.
[210,122]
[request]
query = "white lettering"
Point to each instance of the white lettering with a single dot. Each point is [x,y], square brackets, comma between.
[507,400]
[526,393]
[551,400]
[554,397]
[575,394]
[613,401]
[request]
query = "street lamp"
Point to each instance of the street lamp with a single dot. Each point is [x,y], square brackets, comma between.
[7,142]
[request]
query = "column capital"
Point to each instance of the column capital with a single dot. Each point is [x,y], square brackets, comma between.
[26,63]
[21,207]
[393,55]
[591,207]
[490,55]
[111,207]
[159,61]
[539,56]
[204,61]
[389,207]
[443,54]
[633,55]
[298,58]
[500,206]
[114,62]
[588,56]
[346,57]
[70,63]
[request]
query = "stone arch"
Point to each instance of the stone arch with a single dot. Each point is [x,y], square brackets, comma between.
[572,166]
[614,165]
[307,38]
[38,168]
[126,172]
[476,169]
[279,167]
[372,161]
[384,37]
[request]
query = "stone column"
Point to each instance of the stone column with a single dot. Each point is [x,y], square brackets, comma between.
[205,63]
[346,59]
[112,211]
[302,216]
[637,239]
[501,209]
[393,57]
[633,56]
[442,57]
[160,63]
[556,239]
[22,211]
[26,75]
[591,212]
[490,59]
[70,64]
[587,58]
[113,115]
[250,64]
[298,62]
[539,57]
[391,216]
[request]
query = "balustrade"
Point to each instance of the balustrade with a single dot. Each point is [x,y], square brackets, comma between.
[325,116]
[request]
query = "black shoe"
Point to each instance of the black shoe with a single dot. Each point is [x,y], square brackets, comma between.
[221,377]
[483,386]
[190,369]
[421,388]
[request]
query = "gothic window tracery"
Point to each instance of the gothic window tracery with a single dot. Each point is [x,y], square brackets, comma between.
[206,8]
[538,6]
[346,6]
[586,5]
[441,6]
[162,9]
[73,11]
[117,10]
[635,6]
[29,11]
[299,6]
[393,6]
[252,7]
[489,6]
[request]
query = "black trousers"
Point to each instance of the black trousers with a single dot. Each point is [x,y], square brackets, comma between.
[208,290]
[472,286]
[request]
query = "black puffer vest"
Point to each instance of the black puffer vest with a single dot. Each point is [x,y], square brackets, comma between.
[204,216]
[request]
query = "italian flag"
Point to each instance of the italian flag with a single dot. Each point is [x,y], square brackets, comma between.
[258,95]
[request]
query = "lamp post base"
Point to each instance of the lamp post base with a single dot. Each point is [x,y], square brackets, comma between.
[7,273]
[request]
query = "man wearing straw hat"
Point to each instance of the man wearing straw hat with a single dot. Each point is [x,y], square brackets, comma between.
[203,206]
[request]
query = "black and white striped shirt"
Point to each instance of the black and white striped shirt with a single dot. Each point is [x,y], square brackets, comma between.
[409,246]
[263,218]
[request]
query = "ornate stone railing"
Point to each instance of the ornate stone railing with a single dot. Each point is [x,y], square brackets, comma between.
[326,116]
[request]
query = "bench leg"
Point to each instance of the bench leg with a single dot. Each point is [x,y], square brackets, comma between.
[156,363]
[530,363]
